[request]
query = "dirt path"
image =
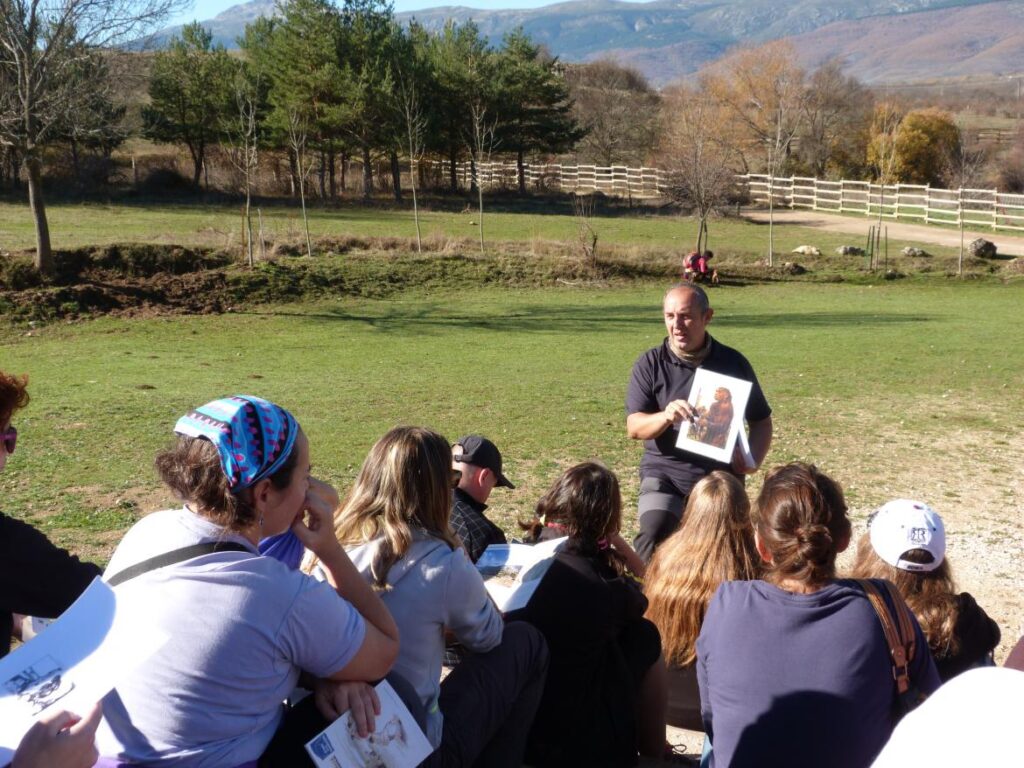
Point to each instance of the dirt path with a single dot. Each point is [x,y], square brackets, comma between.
[922,233]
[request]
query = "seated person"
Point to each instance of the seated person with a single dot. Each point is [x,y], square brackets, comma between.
[604,700]
[795,667]
[37,578]
[714,544]
[906,544]
[395,525]
[479,462]
[242,627]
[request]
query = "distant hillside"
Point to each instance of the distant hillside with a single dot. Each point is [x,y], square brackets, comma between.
[883,40]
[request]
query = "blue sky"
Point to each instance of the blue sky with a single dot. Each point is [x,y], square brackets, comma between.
[206,9]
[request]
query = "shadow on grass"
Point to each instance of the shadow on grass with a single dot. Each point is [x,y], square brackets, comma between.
[429,317]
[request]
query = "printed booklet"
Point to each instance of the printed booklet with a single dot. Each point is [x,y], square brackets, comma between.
[719,402]
[397,741]
[73,663]
[512,572]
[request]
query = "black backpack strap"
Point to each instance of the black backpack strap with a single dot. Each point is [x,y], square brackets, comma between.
[175,556]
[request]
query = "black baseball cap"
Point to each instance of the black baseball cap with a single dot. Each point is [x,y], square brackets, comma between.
[482,452]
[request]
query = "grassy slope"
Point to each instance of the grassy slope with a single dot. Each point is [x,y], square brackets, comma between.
[847,369]
[219,226]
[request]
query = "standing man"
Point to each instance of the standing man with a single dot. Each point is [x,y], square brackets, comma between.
[479,461]
[656,405]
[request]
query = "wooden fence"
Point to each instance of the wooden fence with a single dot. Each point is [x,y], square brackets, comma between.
[617,180]
[971,207]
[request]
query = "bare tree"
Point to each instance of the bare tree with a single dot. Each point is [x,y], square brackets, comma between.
[42,46]
[836,113]
[586,235]
[414,121]
[619,110]
[762,91]
[883,153]
[701,167]
[484,126]
[298,136]
[242,134]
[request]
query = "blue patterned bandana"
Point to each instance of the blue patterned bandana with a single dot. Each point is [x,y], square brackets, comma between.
[253,436]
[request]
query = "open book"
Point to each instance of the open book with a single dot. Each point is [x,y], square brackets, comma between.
[396,742]
[512,572]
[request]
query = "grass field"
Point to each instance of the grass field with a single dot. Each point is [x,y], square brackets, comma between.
[220,226]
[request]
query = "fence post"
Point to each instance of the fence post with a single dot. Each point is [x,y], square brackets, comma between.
[896,209]
[842,193]
[927,202]
[995,209]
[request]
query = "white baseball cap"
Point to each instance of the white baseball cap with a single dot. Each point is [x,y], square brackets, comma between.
[901,525]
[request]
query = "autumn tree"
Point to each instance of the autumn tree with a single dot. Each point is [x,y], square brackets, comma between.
[762,93]
[701,173]
[927,138]
[190,90]
[617,108]
[836,113]
[42,46]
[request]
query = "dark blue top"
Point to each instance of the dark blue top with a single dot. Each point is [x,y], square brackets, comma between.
[659,376]
[799,680]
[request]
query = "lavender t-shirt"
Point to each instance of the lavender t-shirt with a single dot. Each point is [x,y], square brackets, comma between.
[799,680]
[241,628]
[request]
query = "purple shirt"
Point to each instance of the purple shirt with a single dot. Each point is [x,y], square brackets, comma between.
[800,680]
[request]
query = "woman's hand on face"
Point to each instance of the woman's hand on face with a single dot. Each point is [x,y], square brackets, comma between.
[335,699]
[315,529]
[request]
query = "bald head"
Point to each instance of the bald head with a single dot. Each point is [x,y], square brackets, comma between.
[687,312]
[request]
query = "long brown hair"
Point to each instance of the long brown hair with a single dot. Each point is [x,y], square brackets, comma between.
[404,483]
[931,595]
[714,544]
[13,395]
[800,517]
[586,501]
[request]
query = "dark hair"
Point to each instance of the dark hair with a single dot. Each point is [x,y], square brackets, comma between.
[192,469]
[586,500]
[801,519]
[13,395]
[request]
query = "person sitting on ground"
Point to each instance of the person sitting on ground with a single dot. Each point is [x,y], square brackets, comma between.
[795,668]
[604,699]
[242,627]
[690,265]
[906,544]
[715,544]
[479,462]
[37,578]
[395,525]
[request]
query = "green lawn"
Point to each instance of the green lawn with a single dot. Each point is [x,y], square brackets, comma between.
[219,226]
[868,381]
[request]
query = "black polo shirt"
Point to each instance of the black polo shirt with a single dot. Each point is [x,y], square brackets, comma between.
[658,378]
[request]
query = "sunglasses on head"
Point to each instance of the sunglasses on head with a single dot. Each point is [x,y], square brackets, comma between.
[9,438]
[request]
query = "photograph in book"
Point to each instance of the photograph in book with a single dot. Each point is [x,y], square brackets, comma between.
[72,663]
[719,402]
[396,742]
[512,572]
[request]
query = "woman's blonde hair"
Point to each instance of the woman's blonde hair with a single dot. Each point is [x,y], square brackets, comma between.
[404,483]
[931,595]
[714,544]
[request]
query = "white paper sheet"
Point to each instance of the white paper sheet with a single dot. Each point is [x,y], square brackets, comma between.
[73,663]
[512,572]
[397,741]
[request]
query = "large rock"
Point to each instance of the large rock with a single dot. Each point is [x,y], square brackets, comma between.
[982,249]
[807,250]
[915,253]
[792,268]
[849,250]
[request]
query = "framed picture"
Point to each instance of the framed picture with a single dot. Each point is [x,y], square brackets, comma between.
[719,402]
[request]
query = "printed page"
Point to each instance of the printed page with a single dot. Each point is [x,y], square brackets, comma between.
[719,402]
[73,663]
[512,572]
[397,741]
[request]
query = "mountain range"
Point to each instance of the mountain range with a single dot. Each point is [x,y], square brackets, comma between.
[880,40]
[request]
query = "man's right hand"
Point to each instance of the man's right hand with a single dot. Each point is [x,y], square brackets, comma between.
[679,411]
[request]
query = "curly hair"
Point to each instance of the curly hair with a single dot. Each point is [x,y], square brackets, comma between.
[715,543]
[13,395]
